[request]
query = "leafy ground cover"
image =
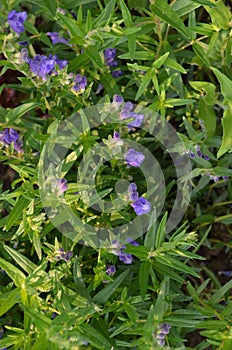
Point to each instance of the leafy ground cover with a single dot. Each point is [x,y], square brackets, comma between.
[115,164]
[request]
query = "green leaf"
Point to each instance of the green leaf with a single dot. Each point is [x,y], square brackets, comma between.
[201,53]
[208,89]
[171,63]
[51,6]
[208,115]
[225,83]
[21,260]
[166,13]
[93,54]
[110,84]
[106,14]
[41,321]
[9,299]
[16,212]
[96,338]
[73,27]
[145,82]
[220,293]
[144,273]
[160,234]
[104,294]
[160,61]
[37,243]
[161,304]
[220,15]
[14,114]
[227,133]
[13,272]
[149,241]
[175,264]
[139,55]
[78,280]
[204,2]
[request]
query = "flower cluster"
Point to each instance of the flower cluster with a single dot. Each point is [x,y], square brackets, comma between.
[9,136]
[197,153]
[16,21]
[139,204]
[80,83]
[43,66]
[127,113]
[118,250]
[216,178]
[62,255]
[161,333]
[109,55]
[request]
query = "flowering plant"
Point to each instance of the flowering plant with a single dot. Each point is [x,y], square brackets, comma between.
[115,163]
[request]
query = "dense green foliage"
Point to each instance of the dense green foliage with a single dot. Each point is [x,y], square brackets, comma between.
[174,60]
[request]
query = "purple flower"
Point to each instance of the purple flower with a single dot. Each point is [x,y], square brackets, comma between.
[225,273]
[56,38]
[128,106]
[116,136]
[138,119]
[164,328]
[191,154]
[132,190]
[10,135]
[132,242]
[215,178]
[134,158]
[54,315]
[132,187]
[41,65]
[118,251]
[118,99]
[68,255]
[134,196]
[141,206]
[116,247]
[161,333]
[62,185]
[206,157]
[60,63]
[117,73]
[99,89]
[23,43]
[109,55]
[126,258]
[110,270]
[24,55]
[225,178]
[198,149]
[80,84]
[16,21]
[63,255]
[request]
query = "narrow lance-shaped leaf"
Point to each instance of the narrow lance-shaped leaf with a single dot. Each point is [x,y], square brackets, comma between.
[13,272]
[104,294]
[144,273]
[227,133]
[166,13]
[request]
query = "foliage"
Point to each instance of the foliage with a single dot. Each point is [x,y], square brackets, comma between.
[173,58]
